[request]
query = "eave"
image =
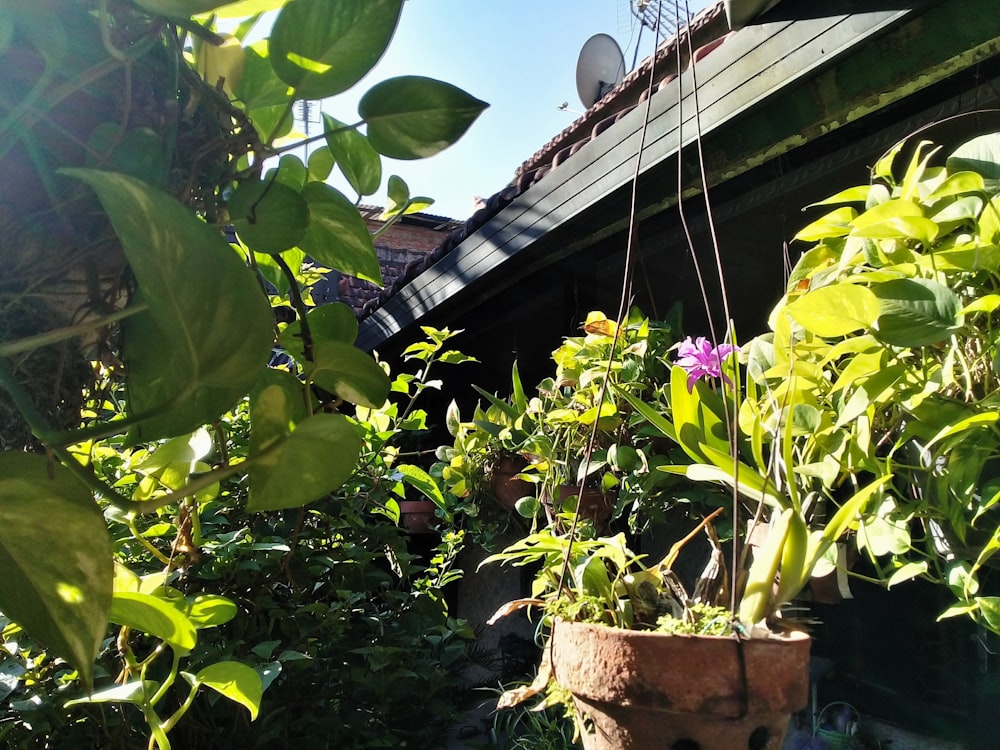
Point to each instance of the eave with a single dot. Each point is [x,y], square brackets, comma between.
[804,70]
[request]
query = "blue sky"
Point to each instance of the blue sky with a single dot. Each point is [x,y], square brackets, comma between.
[518,55]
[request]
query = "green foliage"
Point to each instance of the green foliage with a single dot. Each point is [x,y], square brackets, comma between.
[144,227]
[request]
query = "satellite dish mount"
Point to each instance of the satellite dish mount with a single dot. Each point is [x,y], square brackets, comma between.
[600,67]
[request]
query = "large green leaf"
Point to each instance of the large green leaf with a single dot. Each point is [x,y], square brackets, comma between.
[181,8]
[836,310]
[837,223]
[56,558]
[208,331]
[337,235]
[411,117]
[334,322]
[357,160]
[323,48]
[348,372]
[210,610]
[269,216]
[259,88]
[235,681]
[980,155]
[315,458]
[916,312]
[155,616]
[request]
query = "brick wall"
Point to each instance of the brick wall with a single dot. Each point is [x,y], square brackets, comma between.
[406,242]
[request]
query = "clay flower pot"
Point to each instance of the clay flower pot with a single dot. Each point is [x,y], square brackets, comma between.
[506,487]
[592,503]
[642,690]
[417,516]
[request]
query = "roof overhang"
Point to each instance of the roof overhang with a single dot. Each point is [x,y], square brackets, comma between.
[803,70]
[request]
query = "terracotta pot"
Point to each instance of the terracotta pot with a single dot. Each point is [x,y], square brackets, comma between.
[593,504]
[506,487]
[642,690]
[417,516]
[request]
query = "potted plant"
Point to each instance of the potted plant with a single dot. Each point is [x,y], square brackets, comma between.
[543,442]
[868,408]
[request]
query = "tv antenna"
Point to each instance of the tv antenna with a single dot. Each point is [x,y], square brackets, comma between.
[307,113]
[656,14]
[600,67]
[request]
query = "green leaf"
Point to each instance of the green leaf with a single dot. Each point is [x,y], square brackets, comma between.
[154,616]
[837,223]
[337,235]
[315,458]
[183,449]
[916,312]
[980,155]
[917,228]
[268,216]
[411,117]
[758,595]
[235,681]
[210,610]
[833,311]
[208,331]
[136,691]
[355,158]
[906,573]
[348,372]
[56,558]
[333,322]
[420,480]
[259,89]
[857,194]
[398,194]
[291,172]
[989,607]
[957,184]
[320,164]
[180,8]
[322,48]
[277,404]
[137,153]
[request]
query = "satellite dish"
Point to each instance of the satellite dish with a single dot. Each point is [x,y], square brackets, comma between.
[599,69]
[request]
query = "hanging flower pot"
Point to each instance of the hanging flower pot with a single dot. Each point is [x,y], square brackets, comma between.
[592,503]
[417,516]
[638,689]
[506,487]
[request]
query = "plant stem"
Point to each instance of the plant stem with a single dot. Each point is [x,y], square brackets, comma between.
[62,334]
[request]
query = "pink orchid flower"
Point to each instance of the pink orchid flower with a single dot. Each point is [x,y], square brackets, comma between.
[700,359]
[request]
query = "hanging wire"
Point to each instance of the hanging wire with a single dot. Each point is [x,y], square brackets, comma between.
[626,295]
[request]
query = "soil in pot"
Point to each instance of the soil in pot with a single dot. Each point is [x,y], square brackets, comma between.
[642,690]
